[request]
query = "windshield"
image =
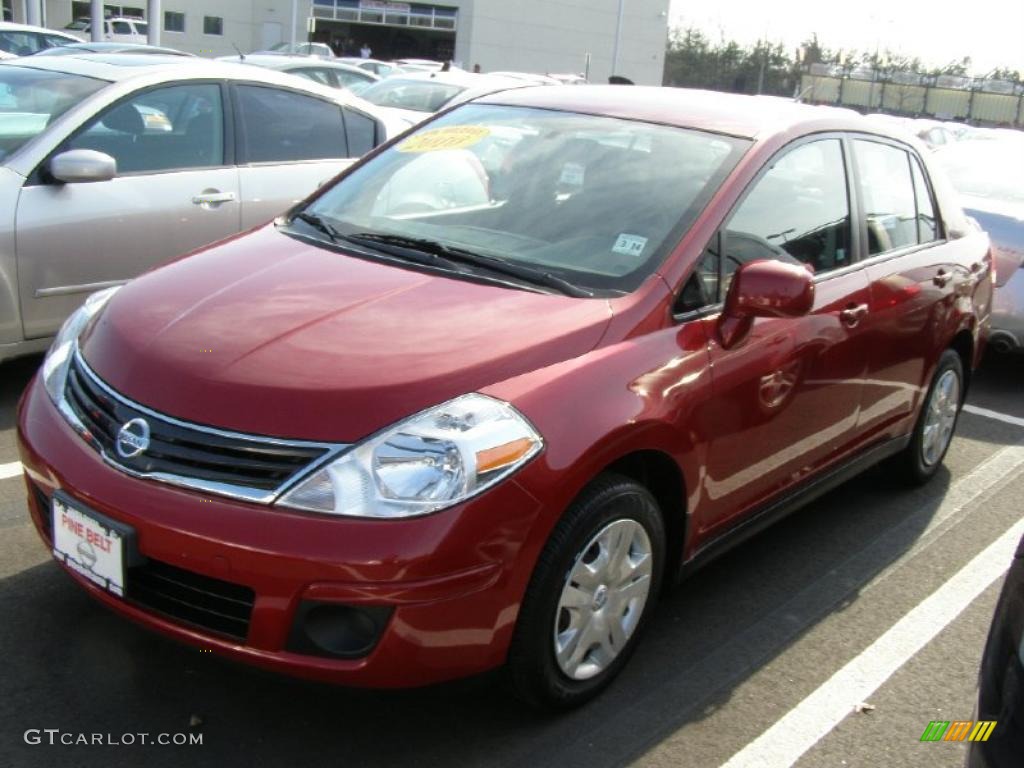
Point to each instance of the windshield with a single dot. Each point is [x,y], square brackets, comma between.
[595,201]
[990,169]
[417,95]
[31,99]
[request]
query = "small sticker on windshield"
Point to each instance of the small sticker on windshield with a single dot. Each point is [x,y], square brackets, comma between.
[449,137]
[630,245]
[572,175]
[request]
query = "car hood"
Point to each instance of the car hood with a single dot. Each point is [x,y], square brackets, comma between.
[270,335]
[1004,222]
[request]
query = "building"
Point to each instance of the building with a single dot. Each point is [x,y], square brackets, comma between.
[560,36]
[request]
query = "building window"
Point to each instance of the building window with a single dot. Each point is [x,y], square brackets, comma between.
[174,21]
[213,25]
[8,11]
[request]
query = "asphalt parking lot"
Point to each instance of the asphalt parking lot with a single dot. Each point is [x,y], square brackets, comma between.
[742,664]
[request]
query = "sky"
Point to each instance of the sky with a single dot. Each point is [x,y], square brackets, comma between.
[991,32]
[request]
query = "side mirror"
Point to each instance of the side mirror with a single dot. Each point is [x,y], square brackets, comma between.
[765,288]
[79,165]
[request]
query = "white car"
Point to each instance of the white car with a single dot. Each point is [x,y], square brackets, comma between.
[415,97]
[23,40]
[332,73]
[111,164]
[122,29]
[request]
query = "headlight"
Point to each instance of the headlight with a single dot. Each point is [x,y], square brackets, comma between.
[55,366]
[430,461]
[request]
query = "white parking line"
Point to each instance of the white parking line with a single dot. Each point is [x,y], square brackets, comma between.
[810,720]
[1006,419]
[10,470]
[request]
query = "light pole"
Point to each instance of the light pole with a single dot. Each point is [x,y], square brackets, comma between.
[618,38]
[295,21]
[155,19]
[96,20]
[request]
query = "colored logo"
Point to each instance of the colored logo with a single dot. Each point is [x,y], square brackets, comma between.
[958,730]
[132,439]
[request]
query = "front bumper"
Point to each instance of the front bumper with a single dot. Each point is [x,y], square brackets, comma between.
[446,586]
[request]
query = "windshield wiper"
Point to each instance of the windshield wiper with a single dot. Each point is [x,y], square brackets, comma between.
[454,255]
[319,223]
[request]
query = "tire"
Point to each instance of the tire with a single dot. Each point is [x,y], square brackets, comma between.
[921,459]
[612,516]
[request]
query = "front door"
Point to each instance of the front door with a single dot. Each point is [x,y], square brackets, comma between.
[173,192]
[785,400]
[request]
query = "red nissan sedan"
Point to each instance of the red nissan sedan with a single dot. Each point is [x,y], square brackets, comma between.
[477,401]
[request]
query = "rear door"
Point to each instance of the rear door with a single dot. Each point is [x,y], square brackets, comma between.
[290,144]
[785,400]
[915,276]
[176,190]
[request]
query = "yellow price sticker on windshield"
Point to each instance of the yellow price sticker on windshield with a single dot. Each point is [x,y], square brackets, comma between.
[449,137]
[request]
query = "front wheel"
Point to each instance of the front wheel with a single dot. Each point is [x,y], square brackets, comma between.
[590,595]
[936,423]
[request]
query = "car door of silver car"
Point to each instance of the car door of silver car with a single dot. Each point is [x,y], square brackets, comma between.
[175,189]
[290,144]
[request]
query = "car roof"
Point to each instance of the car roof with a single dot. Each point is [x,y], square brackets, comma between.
[115,67]
[458,77]
[289,61]
[10,26]
[74,49]
[728,113]
[155,68]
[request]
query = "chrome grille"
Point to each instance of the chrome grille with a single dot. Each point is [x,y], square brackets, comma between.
[250,467]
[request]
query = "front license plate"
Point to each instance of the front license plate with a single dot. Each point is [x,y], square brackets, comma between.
[88,546]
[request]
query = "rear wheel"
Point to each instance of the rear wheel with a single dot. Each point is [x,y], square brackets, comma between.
[936,423]
[590,595]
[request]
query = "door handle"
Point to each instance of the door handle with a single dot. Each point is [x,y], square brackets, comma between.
[853,314]
[942,278]
[213,198]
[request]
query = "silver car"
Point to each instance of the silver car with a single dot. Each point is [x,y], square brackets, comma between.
[110,164]
[989,175]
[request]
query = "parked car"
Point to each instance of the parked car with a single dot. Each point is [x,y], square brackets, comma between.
[75,49]
[1001,680]
[23,40]
[333,74]
[388,446]
[377,67]
[568,78]
[122,29]
[988,175]
[414,97]
[319,50]
[529,77]
[110,164]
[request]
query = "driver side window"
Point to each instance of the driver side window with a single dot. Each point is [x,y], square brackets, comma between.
[164,129]
[798,212]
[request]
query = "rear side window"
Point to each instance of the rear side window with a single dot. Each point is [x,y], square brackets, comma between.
[897,205]
[926,225]
[284,126]
[361,131]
